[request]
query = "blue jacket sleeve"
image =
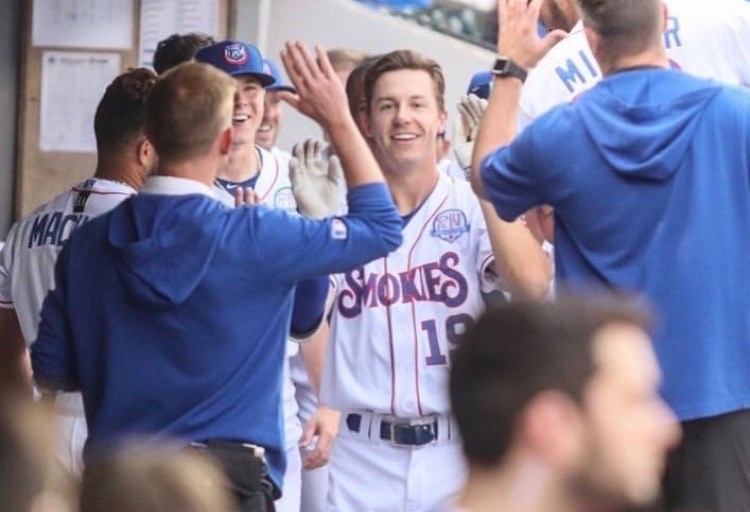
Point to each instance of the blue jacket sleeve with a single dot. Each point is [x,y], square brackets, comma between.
[511,177]
[524,173]
[289,248]
[52,354]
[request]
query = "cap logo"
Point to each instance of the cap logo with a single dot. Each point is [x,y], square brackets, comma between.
[235,54]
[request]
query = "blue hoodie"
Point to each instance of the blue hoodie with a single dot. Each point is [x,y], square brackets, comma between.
[171,313]
[649,175]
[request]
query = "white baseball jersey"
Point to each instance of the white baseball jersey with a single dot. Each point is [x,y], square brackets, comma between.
[397,319]
[27,264]
[273,186]
[450,168]
[28,259]
[707,39]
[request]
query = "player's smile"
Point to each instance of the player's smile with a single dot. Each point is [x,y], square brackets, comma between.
[404,137]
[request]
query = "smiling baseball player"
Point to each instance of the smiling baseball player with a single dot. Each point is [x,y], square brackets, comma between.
[249,166]
[397,319]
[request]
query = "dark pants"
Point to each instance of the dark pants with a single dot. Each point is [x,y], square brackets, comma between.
[710,469]
[246,473]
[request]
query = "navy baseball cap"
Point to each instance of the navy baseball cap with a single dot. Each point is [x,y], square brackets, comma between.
[236,58]
[481,84]
[278,85]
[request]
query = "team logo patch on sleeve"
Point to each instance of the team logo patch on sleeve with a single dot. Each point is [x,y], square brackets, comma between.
[339,230]
[235,54]
[450,225]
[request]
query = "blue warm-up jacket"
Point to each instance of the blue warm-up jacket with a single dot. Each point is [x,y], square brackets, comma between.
[171,313]
[649,175]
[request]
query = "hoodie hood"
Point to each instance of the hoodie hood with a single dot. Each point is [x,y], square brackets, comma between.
[635,130]
[163,246]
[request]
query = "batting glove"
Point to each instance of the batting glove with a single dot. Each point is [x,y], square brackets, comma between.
[319,189]
[471,108]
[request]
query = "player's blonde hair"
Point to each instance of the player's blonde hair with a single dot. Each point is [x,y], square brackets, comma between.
[187,110]
[345,59]
[405,59]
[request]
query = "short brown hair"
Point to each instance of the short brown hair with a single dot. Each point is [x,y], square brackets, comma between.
[187,109]
[345,59]
[518,350]
[179,48]
[625,26]
[355,84]
[405,59]
[138,479]
[118,121]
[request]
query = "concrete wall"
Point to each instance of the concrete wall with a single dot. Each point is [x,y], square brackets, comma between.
[343,23]
[10,21]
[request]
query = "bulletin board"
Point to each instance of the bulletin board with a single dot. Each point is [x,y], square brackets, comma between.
[62,69]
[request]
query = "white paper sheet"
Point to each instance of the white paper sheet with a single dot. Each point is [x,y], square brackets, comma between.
[104,24]
[162,18]
[73,83]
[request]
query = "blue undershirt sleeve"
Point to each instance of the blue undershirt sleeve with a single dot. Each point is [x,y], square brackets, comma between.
[309,305]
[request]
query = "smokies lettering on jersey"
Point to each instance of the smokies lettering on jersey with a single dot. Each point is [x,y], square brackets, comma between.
[437,281]
[54,228]
[580,68]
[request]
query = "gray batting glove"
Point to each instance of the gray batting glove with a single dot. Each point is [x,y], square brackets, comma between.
[471,108]
[318,188]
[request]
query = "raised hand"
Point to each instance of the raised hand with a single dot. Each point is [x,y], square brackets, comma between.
[319,189]
[471,108]
[518,38]
[320,93]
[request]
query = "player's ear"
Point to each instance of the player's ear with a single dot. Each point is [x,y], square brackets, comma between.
[442,122]
[367,125]
[595,42]
[225,141]
[146,153]
[665,16]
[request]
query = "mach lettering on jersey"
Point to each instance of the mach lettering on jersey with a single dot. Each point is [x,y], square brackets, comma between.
[581,67]
[437,281]
[54,228]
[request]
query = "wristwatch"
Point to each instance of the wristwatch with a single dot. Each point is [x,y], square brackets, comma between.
[504,67]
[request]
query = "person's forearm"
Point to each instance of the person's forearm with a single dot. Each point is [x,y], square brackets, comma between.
[498,127]
[519,259]
[358,162]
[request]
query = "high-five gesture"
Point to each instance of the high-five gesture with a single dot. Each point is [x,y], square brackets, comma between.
[518,38]
[320,93]
[321,96]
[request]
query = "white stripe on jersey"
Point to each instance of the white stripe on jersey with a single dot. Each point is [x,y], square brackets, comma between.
[395,318]
[27,261]
[707,39]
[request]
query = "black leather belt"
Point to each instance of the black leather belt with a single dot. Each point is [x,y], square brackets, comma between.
[400,434]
